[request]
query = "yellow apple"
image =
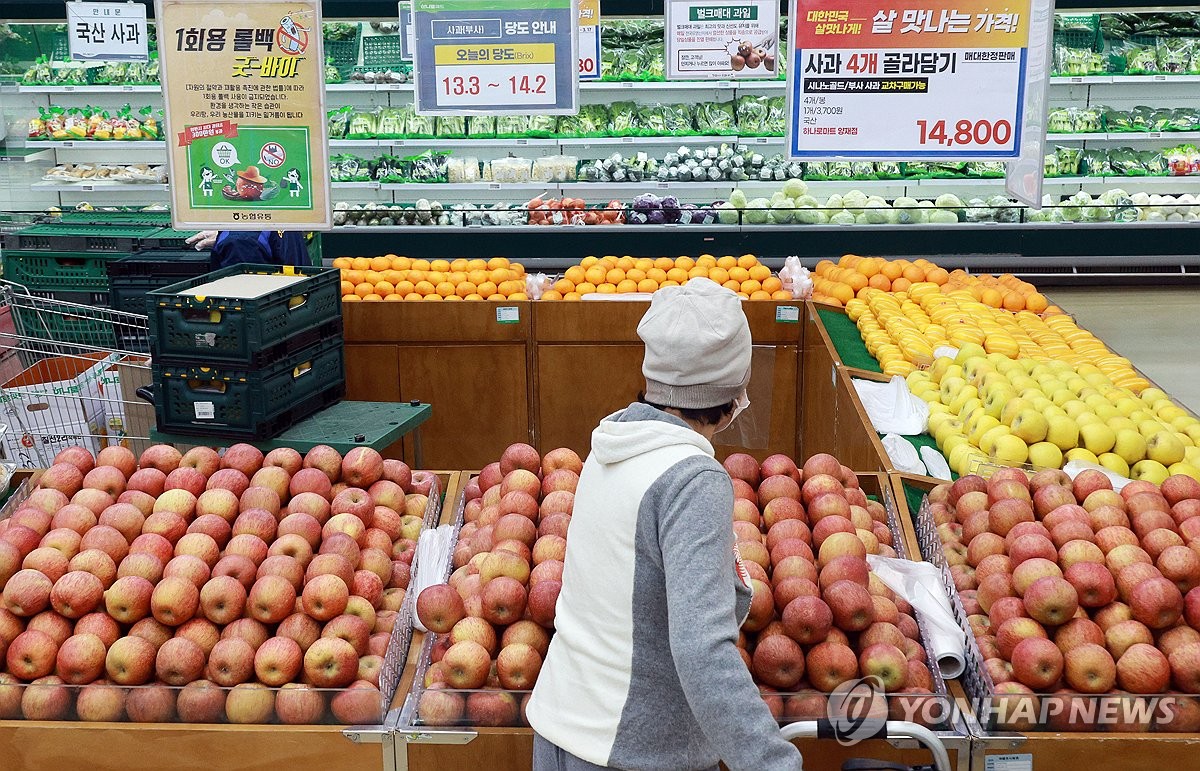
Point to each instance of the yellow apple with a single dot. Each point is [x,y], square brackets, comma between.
[1153,395]
[980,426]
[1045,455]
[952,441]
[1062,432]
[1164,448]
[1128,405]
[1012,408]
[1122,423]
[1097,437]
[1186,469]
[1011,450]
[1114,462]
[1081,454]
[1030,425]
[1149,471]
[1169,412]
[987,442]
[1075,408]
[1130,445]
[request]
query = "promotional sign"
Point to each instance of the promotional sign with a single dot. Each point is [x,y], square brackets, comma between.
[107,32]
[496,56]
[928,80]
[407,43]
[589,39]
[1024,174]
[244,89]
[722,39]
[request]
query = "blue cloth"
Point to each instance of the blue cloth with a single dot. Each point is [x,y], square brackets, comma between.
[267,247]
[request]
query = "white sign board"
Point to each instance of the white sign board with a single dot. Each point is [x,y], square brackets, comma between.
[107,32]
[722,39]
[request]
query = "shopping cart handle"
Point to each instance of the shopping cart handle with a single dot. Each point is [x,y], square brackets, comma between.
[893,729]
[146,393]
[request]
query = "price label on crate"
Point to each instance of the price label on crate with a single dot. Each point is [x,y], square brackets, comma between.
[107,32]
[882,79]
[496,56]
[589,39]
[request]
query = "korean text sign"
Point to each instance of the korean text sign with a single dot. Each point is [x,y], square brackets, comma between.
[907,79]
[107,32]
[496,56]
[589,39]
[245,95]
[723,39]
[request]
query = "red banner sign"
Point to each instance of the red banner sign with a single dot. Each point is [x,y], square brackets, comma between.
[223,128]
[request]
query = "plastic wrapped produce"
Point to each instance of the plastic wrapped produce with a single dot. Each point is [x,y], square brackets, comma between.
[716,118]
[509,126]
[420,126]
[554,168]
[623,119]
[451,127]
[511,170]
[1087,120]
[339,121]
[542,126]
[1174,55]
[390,169]
[1139,59]
[481,126]
[459,170]
[364,124]
[1059,121]
[1117,120]
[591,121]
[753,114]
[348,168]
[392,123]
[1068,160]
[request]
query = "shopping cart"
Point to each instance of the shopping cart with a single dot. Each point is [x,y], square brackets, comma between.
[69,373]
[892,730]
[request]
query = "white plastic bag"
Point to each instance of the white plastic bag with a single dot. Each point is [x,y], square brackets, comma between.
[1076,467]
[431,559]
[892,407]
[920,583]
[935,463]
[796,279]
[903,455]
[536,284]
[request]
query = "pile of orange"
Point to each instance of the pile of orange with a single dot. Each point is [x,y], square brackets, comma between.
[839,283]
[394,279]
[626,275]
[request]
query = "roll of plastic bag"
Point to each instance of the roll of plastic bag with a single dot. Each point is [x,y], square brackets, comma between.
[796,279]
[1076,467]
[432,559]
[891,406]
[935,464]
[920,583]
[903,455]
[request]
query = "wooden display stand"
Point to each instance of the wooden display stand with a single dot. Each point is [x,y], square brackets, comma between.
[472,368]
[588,364]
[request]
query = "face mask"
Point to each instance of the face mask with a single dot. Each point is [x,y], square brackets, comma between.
[739,406]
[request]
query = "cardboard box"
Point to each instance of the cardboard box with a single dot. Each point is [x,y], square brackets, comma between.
[132,427]
[54,404]
[36,448]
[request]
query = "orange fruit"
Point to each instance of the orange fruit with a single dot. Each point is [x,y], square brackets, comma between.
[731,284]
[635,275]
[473,297]
[351,298]
[781,295]
[615,276]
[760,273]
[458,265]
[664,263]
[991,297]
[727,262]
[657,275]
[404,287]
[606,289]
[436,277]
[355,277]
[687,263]
[669,282]
[497,262]
[518,296]
[647,285]
[706,261]
[364,289]
[424,288]
[678,275]
[595,275]
[739,274]
[855,281]
[773,284]
[381,263]
[453,297]
[914,274]
[414,297]
[760,295]
[564,285]
[465,289]
[347,288]
[718,275]
[698,272]
[476,264]
[750,286]
[880,281]
[891,270]
[588,262]
[393,298]
[1036,302]
[901,284]
[343,263]
[627,286]
[747,261]
[442,266]
[434,296]
[586,287]
[361,263]
[384,288]
[401,263]
[1014,301]
[373,298]
[572,296]
[575,275]
[626,263]
[644,264]
[938,276]
[420,265]
[841,293]
[551,295]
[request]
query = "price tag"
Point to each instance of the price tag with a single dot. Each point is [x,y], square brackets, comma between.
[761,140]
[68,88]
[626,84]
[1022,762]
[1076,80]
[722,40]
[107,32]
[589,39]
[863,92]
[494,186]
[126,88]
[87,188]
[664,185]
[518,56]
[205,410]
[626,140]
[1160,77]
[787,314]
[522,141]
[68,143]
[1156,135]
[508,314]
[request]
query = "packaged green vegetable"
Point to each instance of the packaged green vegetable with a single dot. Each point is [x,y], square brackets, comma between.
[752,114]
[451,127]
[363,124]
[481,127]
[624,117]
[1096,163]
[888,170]
[716,118]
[1139,59]
[1174,55]
[1068,160]
[392,123]
[339,121]
[1117,120]
[420,126]
[391,169]
[511,126]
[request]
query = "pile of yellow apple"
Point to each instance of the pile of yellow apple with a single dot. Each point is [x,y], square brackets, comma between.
[903,330]
[989,408]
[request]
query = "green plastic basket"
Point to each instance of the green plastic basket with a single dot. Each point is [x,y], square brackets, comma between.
[343,54]
[59,271]
[77,326]
[232,401]
[380,51]
[62,237]
[158,218]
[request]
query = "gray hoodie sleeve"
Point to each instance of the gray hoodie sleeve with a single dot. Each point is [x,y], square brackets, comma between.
[696,538]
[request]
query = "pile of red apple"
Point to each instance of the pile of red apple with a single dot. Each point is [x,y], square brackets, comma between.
[819,617]
[202,587]
[493,621]
[1072,588]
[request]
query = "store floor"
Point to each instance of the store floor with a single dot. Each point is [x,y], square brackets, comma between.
[1155,328]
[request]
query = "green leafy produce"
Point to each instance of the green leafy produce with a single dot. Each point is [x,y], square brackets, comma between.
[716,118]
[339,121]
[392,123]
[451,126]
[481,126]
[421,126]
[624,118]
[508,126]
[752,115]
[339,30]
[364,124]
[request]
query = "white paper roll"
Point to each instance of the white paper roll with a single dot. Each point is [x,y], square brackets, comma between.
[920,583]
[432,558]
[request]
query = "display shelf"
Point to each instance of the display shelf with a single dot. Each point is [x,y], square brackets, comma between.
[97,187]
[1127,136]
[86,89]
[468,187]
[17,153]
[93,144]
[671,141]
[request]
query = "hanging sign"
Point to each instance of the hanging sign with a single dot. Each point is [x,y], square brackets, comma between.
[722,39]
[589,39]
[915,80]
[245,95]
[496,56]
[114,32]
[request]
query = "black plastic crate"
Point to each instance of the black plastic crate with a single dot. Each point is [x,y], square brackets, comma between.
[131,279]
[111,239]
[221,330]
[232,401]
[168,238]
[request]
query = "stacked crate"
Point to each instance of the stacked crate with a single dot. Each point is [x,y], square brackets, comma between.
[249,364]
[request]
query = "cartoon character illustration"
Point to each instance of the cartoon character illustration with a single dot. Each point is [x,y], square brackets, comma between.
[292,180]
[291,42]
[207,176]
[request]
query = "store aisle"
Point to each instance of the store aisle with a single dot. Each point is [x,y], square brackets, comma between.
[1155,328]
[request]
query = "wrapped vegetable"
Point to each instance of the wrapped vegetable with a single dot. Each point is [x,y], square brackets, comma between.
[1121,161]
[752,114]
[591,121]
[1139,59]
[624,118]
[651,121]
[1073,62]
[391,169]
[348,168]
[508,126]
[451,126]
[1087,120]
[716,118]
[339,121]
[1174,55]
[392,123]
[1154,162]
[1060,121]
[363,125]
[512,170]
[776,123]
[1068,161]
[428,167]
[1184,119]
[1117,120]
[481,126]
[541,126]
[420,126]
[678,120]
[462,170]
[554,168]
[1183,160]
